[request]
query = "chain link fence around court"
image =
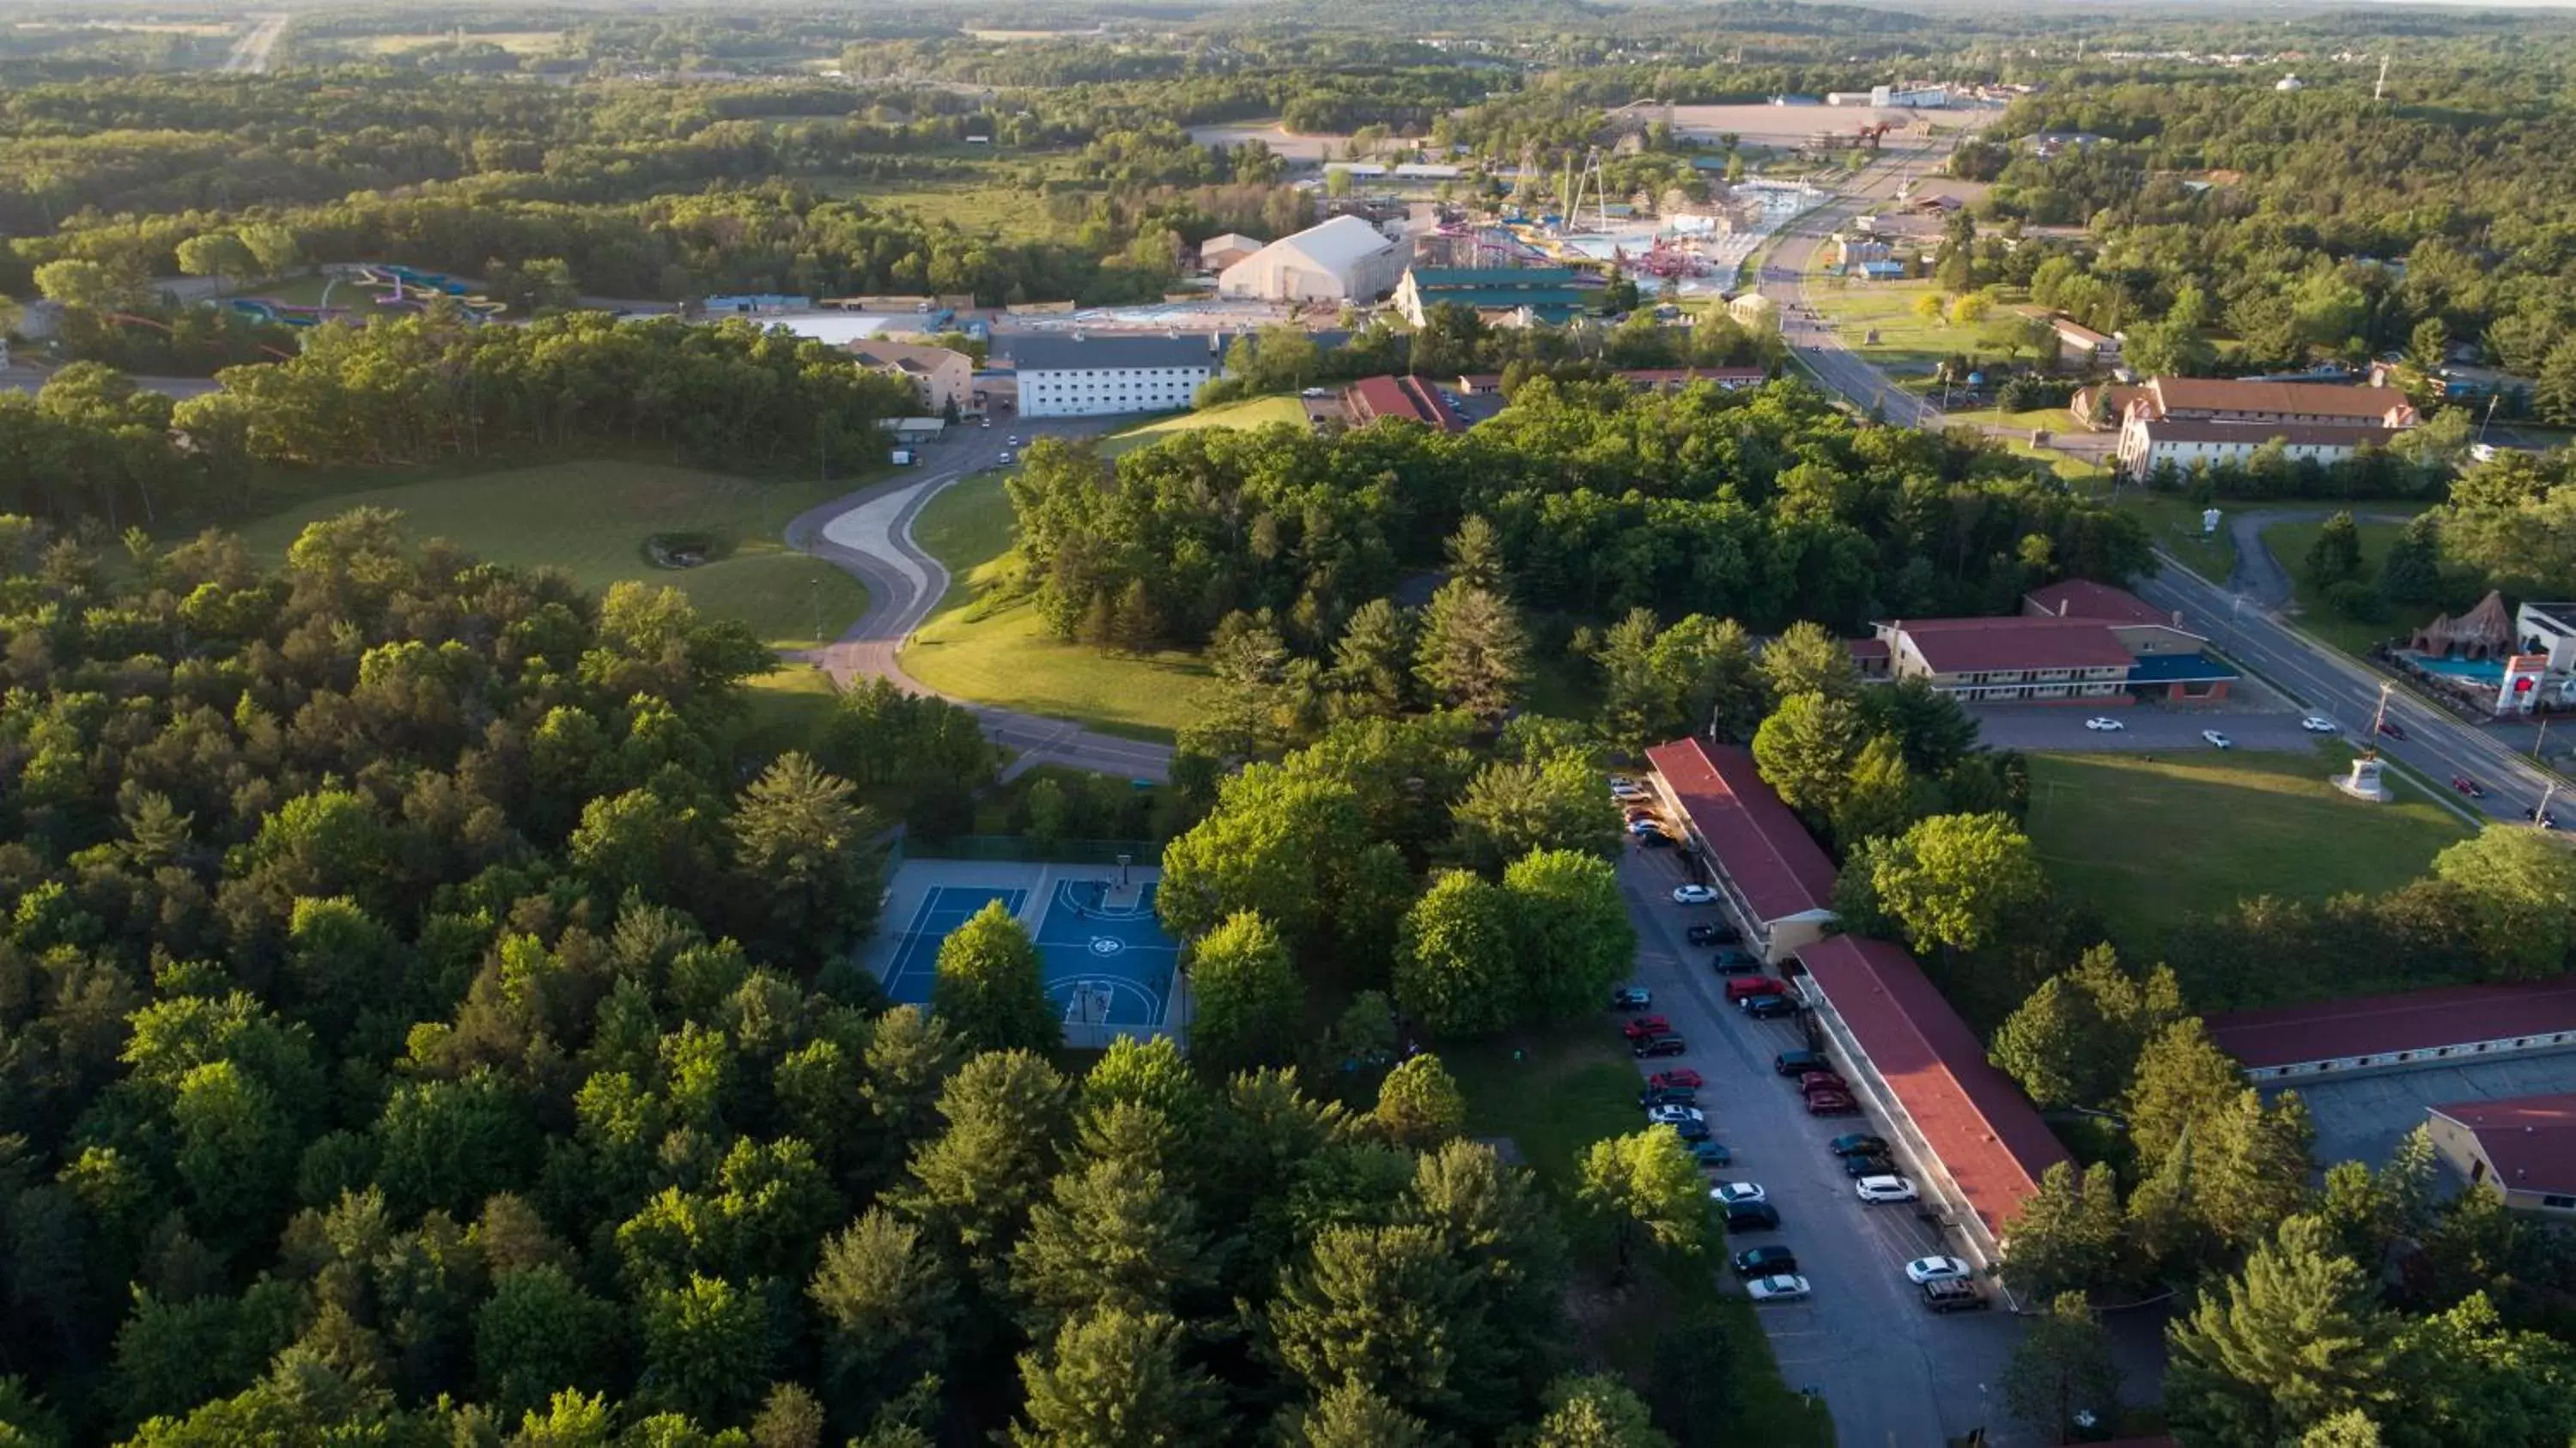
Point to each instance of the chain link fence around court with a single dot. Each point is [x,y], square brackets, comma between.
[1024,849]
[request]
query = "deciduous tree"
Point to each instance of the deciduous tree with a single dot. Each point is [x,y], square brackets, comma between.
[1648,1183]
[990,993]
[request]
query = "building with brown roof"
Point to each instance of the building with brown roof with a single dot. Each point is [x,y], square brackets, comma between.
[1977,1141]
[2522,1148]
[941,377]
[2048,658]
[1409,398]
[2084,598]
[2444,1025]
[2225,399]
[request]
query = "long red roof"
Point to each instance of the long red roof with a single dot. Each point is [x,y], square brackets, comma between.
[2383,1025]
[2530,1140]
[1987,1134]
[1757,839]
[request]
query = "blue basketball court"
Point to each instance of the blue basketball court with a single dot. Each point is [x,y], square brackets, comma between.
[1103,955]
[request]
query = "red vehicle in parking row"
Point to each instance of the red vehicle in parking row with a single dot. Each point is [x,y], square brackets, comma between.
[1815,1081]
[1744,988]
[1684,1079]
[1831,1103]
[1638,1028]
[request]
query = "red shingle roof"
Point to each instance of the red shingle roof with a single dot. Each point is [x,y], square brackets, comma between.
[2529,1140]
[1404,397]
[1986,1133]
[2083,598]
[2383,1025]
[1757,841]
[1963,645]
[2171,395]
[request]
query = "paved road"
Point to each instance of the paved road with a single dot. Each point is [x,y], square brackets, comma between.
[2259,575]
[1890,1372]
[1786,272]
[869,533]
[250,53]
[2144,729]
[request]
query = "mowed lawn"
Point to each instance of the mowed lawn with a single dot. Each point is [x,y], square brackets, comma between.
[2290,543]
[1908,347]
[591,520]
[1552,1094]
[1252,412]
[2145,843]
[986,641]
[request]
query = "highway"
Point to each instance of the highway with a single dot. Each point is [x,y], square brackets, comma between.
[1785,273]
[250,53]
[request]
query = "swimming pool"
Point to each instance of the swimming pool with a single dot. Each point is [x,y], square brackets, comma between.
[2484,671]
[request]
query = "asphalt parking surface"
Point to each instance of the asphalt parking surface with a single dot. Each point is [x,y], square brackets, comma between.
[2361,1118]
[2144,730]
[1890,1371]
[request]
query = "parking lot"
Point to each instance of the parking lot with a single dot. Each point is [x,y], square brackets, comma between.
[2361,1118]
[1891,1372]
[2144,728]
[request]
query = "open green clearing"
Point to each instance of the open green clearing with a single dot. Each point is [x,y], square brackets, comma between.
[1908,347]
[2173,524]
[2290,543]
[987,643]
[517,42]
[1252,412]
[306,291]
[2144,843]
[591,520]
[1554,1093]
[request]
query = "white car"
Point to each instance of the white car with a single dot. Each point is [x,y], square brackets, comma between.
[2100,723]
[1938,1269]
[1004,458]
[1012,441]
[2217,740]
[1736,1194]
[2320,724]
[1675,1116]
[1694,895]
[1783,1288]
[1885,1189]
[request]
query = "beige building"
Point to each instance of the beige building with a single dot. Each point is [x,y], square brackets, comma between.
[939,376]
[1219,252]
[1342,260]
[2523,1149]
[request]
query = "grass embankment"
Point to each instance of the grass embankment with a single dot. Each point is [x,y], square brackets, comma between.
[1252,412]
[2290,543]
[2145,843]
[986,642]
[1555,1093]
[591,520]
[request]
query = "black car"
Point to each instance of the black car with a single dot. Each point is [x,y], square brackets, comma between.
[1691,1132]
[1765,1261]
[1659,1046]
[1770,1008]
[1753,1217]
[1856,1141]
[1799,1063]
[1653,840]
[1736,962]
[1860,1164]
[1654,1096]
[1953,1297]
[1711,935]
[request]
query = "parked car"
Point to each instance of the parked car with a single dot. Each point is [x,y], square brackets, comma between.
[1953,1297]
[1868,1164]
[1654,1096]
[1783,1287]
[1765,1260]
[1012,441]
[1797,1063]
[1736,962]
[1684,1078]
[1631,998]
[1718,933]
[1694,895]
[2320,724]
[1658,1046]
[2468,786]
[1744,988]
[1710,1153]
[1644,1026]
[2392,729]
[1850,1142]
[1771,1008]
[1823,1081]
[1938,1269]
[1753,1217]
[1732,1194]
[1674,1115]
[1832,1103]
[2217,740]
[1885,1189]
[1006,458]
[2103,723]
[1644,827]
[1691,1132]
[1653,839]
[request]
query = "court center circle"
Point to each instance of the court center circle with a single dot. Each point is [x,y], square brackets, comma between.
[1107,945]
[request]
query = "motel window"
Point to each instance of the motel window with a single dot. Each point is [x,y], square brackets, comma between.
[2559,1204]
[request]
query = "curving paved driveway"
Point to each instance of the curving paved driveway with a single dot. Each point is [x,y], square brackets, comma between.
[2259,575]
[869,533]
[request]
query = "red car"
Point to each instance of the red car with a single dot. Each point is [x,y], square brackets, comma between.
[1823,1081]
[1745,987]
[2468,786]
[1684,1079]
[1831,1103]
[2389,728]
[1639,1028]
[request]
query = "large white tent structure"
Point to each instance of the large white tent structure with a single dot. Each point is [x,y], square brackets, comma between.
[1342,260]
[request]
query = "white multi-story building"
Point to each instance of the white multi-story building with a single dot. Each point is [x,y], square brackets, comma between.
[1085,376]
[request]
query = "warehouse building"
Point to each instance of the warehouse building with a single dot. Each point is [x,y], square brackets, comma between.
[1517,295]
[1075,375]
[1342,260]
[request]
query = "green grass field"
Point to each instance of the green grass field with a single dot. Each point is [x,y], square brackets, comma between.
[2290,543]
[987,643]
[591,520]
[1553,1094]
[1252,412]
[1908,347]
[2173,523]
[2144,843]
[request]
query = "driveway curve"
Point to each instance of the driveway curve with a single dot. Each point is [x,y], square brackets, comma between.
[869,534]
[2258,574]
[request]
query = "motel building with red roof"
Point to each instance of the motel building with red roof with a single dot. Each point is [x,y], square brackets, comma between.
[1978,1143]
[2522,1148]
[2074,642]
[2450,1025]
